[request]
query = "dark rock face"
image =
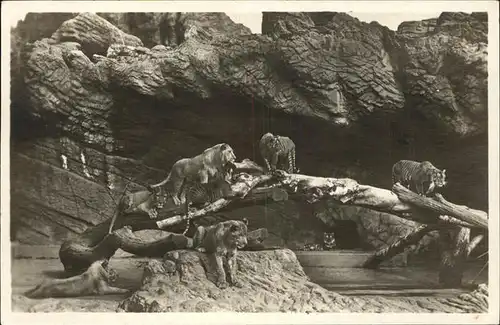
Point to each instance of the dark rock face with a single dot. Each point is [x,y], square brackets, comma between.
[102,100]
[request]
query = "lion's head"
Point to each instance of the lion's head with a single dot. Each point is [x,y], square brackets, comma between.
[236,233]
[227,154]
[101,268]
[221,153]
[160,196]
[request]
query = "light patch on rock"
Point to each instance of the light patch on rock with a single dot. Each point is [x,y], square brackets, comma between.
[191,32]
[64,161]
[84,164]
[110,182]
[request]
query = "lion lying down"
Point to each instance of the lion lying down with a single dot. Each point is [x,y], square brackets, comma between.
[94,281]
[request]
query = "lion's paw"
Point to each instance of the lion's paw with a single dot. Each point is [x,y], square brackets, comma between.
[237,284]
[222,284]
[176,200]
[112,275]
[153,214]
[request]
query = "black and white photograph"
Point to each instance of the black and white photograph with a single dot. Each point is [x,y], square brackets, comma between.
[217,158]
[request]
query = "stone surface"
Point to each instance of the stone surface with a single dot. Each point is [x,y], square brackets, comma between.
[456,42]
[273,281]
[95,106]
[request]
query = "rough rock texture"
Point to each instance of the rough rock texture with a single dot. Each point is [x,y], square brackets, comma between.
[92,108]
[273,281]
[454,42]
[279,270]
[378,229]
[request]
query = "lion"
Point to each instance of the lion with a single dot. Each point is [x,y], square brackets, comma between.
[202,168]
[94,281]
[147,201]
[222,241]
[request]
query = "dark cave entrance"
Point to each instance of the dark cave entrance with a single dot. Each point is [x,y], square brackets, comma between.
[346,234]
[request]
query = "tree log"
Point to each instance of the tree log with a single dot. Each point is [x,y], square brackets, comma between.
[454,253]
[240,190]
[455,246]
[157,248]
[442,207]
[400,201]
[398,246]
[94,244]
[77,257]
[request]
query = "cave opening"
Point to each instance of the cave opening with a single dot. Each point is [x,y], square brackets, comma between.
[346,234]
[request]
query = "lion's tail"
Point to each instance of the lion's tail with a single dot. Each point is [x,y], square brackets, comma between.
[165,181]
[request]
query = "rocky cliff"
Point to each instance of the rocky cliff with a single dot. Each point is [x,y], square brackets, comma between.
[102,100]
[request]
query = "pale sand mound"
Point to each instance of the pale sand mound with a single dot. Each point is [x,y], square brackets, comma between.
[273,281]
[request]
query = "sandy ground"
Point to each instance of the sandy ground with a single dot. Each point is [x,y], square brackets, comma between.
[411,283]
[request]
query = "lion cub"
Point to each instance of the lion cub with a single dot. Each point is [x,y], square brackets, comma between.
[222,241]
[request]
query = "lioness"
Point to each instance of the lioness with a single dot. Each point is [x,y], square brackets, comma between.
[94,281]
[202,168]
[147,201]
[222,241]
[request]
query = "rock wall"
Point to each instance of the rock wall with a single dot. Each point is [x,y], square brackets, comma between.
[102,100]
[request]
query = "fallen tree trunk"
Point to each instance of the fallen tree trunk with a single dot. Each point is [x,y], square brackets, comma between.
[442,207]
[400,201]
[412,238]
[94,243]
[157,248]
[455,246]
[454,239]
[240,190]
[76,257]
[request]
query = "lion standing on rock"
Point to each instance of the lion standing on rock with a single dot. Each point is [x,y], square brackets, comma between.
[202,168]
[221,242]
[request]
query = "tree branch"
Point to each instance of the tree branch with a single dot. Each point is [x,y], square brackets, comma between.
[412,238]
[442,207]
[239,189]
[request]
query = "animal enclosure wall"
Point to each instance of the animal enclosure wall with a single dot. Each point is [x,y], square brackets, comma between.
[83,124]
